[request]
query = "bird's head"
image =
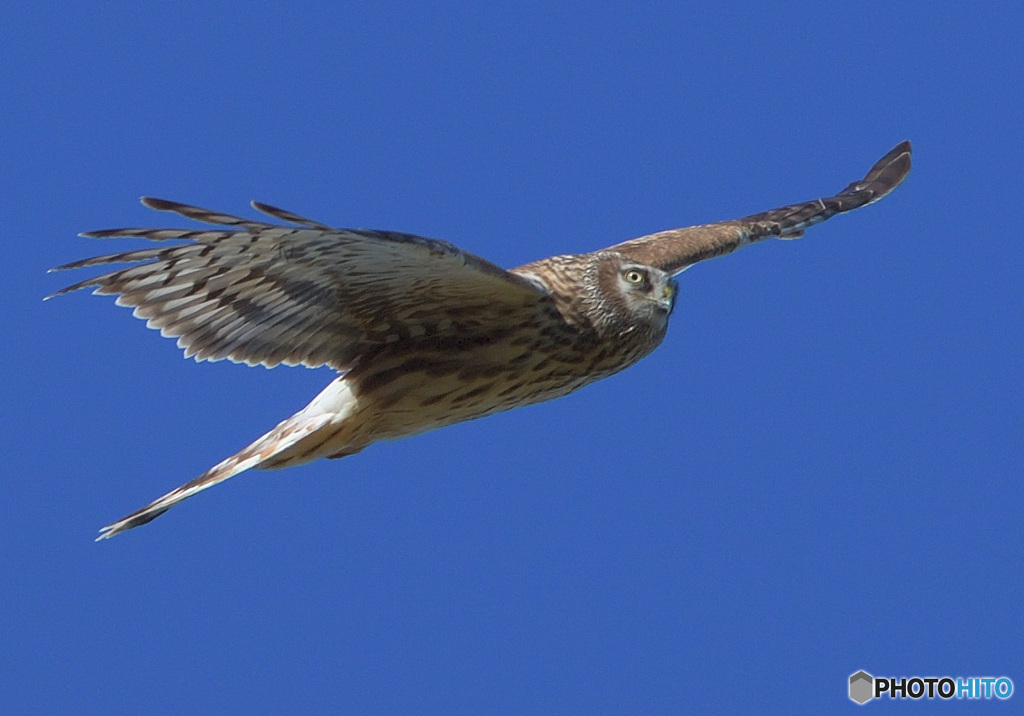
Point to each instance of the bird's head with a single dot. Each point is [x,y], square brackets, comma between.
[646,288]
[633,295]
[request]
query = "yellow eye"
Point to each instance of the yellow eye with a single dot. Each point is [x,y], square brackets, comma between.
[634,276]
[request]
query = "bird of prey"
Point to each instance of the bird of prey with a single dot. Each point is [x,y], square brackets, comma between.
[421,333]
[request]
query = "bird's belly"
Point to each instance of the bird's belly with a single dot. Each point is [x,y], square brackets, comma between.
[410,395]
[419,402]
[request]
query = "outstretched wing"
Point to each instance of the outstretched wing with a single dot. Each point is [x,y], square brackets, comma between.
[262,293]
[678,249]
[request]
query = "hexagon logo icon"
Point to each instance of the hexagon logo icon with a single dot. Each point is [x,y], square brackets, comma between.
[862,687]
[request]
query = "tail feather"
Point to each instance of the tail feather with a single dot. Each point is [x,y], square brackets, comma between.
[278,440]
[292,442]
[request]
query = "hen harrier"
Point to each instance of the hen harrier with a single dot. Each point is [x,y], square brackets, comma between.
[421,333]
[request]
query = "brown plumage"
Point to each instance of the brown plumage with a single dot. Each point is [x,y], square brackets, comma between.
[422,333]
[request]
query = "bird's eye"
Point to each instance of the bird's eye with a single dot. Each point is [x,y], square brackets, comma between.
[635,276]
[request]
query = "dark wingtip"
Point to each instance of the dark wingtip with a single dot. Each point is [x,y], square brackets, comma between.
[898,158]
[152,202]
[130,522]
[902,148]
[895,166]
[285,215]
[884,176]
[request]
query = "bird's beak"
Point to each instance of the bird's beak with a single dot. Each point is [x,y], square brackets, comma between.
[668,296]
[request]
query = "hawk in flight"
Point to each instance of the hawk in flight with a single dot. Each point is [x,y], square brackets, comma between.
[421,333]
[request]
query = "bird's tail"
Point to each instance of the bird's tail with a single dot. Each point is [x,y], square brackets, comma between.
[278,448]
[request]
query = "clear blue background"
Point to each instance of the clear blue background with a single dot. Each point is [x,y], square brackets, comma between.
[818,472]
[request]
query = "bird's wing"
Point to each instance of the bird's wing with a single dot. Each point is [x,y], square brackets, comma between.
[262,293]
[678,249]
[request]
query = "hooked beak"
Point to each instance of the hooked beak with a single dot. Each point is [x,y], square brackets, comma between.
[668,296]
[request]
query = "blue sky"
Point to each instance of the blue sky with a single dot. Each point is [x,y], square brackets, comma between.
[818,472]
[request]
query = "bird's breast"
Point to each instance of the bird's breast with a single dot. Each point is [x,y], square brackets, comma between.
[428,384]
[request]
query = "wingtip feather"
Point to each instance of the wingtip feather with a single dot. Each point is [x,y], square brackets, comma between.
[151,202]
